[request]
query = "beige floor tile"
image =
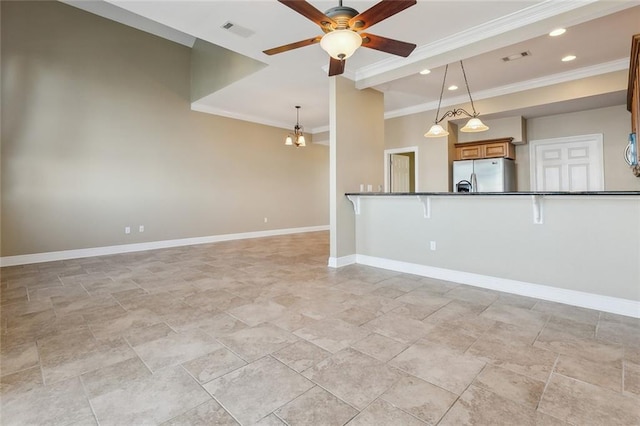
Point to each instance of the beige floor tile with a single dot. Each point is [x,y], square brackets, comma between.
[377,304]
[18,294]
[574,313]
[123,324]
[356,287]
[21,382]
[61,403]
[332,335]
[426,299]
[524,318]
[138,336]
[507,384]
[354,377]
[451,336]
[474,295]
[582,403]
[381,413]
[113,377]
[439,365]
[209,413]
[221,325]
[508,333]
[631,379]
[81,304]
[380,347]
[150,400]
[217,298]
[176,348]
[255,342]
[355,316]
[604,374]
[419,398]
[399,327]
[481,407]
[530,361]
[18,358]
[388,292]
[568,344]
[632,354]
[619,332]
[413,311]
[255,390]
[301,355]
[575,328]
[400,283]
[316,407]
[270,420]
[292,320]
[213,365]
[256,313]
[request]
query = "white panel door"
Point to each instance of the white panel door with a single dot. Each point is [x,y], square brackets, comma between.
[567,164]
[400,173]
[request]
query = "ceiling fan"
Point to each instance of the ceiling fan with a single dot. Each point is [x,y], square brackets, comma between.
[342,26]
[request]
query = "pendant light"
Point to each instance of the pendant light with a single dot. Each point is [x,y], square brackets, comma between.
[297,138]
[473,125]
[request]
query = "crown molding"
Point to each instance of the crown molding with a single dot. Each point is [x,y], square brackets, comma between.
[237,116]
[536,83]
[365,76]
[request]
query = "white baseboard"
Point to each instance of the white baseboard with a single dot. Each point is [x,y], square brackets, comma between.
[598,302]
[339,262]
[153,245]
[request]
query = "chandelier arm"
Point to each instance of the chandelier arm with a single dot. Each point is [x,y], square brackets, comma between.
[464,74]
[441,93]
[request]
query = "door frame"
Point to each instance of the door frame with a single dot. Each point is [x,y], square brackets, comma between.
[387,165]
[596,138]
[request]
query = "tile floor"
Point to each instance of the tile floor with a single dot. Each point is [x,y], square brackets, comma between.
[262,332]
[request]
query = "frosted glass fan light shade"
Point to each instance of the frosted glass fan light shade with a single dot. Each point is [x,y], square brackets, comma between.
[340,44]
[288,141]
[474,125]
[436,131]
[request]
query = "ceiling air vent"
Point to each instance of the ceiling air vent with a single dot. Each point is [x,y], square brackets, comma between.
[237,29]
[516,56]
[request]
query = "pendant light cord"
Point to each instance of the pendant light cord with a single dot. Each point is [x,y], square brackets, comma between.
[464,74]
[441,93]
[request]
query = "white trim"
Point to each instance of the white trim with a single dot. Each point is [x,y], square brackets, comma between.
[598,302]
[153,245]
[596,138]
[387,165]
[208,109]
[339,262]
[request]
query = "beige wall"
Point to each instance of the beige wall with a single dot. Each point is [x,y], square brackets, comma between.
[586,244]
[357,152]
[97,135]
[614,123]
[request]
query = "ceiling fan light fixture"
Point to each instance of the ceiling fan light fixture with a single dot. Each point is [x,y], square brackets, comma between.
[436,131]
[341,44]
[474,125]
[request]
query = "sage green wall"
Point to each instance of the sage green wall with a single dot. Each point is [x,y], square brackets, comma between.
[97,134]
[614,123]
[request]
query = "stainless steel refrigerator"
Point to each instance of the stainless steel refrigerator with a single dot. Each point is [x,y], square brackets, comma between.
[486,175]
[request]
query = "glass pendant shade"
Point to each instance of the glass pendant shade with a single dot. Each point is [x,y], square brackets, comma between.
[340,44]
[436,131]
[474,125]
[301,141]
[288,141]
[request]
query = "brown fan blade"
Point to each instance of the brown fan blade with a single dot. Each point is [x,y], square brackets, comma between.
[388,45]
[292,46]
[379,12]
[336,66]
[310,12]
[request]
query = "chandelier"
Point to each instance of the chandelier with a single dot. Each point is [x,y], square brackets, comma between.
[473,125]
[297,138]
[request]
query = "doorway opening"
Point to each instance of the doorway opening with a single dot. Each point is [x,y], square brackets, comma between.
[401,169]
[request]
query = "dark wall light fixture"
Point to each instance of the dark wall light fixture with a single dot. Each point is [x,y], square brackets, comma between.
[297,138]
[473,125]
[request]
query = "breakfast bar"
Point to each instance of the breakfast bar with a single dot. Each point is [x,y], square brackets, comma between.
[581,248]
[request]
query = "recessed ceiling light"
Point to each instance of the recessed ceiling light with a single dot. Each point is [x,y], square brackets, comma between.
[425,72]
[453,87]
[557,32]
[568,58]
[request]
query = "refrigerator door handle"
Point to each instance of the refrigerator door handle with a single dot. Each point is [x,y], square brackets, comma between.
[474,183]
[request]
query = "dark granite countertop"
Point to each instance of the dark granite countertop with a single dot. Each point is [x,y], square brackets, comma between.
[480,194]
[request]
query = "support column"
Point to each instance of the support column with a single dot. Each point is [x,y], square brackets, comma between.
[356,129]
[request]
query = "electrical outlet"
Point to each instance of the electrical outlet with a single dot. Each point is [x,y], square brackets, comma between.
[141,228]
[127,229]
[432,245]
[369,188]
[266,220]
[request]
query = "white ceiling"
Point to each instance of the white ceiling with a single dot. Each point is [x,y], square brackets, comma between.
[478,32]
